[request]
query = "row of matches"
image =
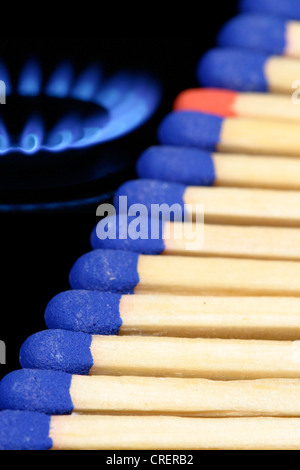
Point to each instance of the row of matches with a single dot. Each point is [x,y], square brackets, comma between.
[159,346]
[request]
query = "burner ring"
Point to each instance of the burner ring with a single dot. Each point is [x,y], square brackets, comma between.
[117,105]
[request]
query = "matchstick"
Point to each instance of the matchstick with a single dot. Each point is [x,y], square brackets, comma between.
[203,168]
[222,206]
[58,393]
[103,313]
[261,33]
[174,238]
[230,134]
[245,70]
[128,272]
[215,359]
[34,431]
[229,103]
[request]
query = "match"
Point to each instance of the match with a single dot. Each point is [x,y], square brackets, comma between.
[229,103]
[21,430]
[283,8]
[103,313]
[58,393]
[230,135]
[126,272]
[222,206]
[196,167]
[245,70]
[213,359]
[177,239]
[262,33]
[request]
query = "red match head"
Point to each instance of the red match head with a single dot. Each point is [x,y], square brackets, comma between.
[207,100]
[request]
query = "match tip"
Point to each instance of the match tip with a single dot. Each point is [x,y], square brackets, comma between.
[184,165]
[85,311]
[38,391]
[289,9]
[138,234]
[21,430]
[58,350]
[233,69]
[191,129]
[207,100]
[263,33]
[106,270]
[150,195]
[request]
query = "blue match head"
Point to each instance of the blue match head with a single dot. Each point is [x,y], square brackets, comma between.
[234,69]
[58,350]
[40,391]
[138,234]
[185,165]
[84,311]
[106,270]
[152,198]
[289,9]
[262,33]
[191,129]
[22,430]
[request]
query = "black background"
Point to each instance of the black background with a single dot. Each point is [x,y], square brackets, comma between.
[38,250]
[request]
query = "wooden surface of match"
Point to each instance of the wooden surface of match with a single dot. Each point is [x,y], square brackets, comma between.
[293,39]
[266,106]
[211,317]
[173,433]
[185,397]
[244,206]
[255,171]
[182,275]
[260,136]
[281,73]
[216,359]
[266,243]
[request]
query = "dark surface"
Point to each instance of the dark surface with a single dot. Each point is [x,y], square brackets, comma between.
[38,250]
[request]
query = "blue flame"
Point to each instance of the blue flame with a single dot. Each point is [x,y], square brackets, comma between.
[60,84]
[4,139]
[67,131]
[32,136]
[30,83]
[128,98]
[88,83]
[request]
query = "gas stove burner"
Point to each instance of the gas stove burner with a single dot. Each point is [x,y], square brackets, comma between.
[66,112]
[56,128]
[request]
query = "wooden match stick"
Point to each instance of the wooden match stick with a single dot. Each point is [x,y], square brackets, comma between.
[245,70]
[203,168]
[128,272]
[55,393]
[231,206]
[262,33]
[103,313]
[229,103]
[233,241]
[142,433]
[230,134]
[34,431]
[212,240]
[215,359]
